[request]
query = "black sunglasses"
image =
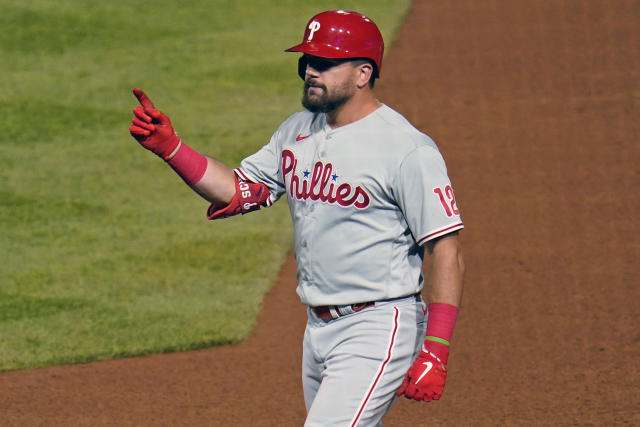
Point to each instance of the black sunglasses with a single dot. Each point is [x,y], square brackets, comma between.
[323,64]
[317,63]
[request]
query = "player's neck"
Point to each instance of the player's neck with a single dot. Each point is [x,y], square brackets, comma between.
[358,107]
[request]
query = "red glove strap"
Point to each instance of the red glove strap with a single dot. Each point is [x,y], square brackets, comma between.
[189,164]
[441,351]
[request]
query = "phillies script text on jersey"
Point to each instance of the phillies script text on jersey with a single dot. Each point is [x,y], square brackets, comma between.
[320,187]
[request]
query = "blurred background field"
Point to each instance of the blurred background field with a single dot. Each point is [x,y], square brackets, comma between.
[104,252]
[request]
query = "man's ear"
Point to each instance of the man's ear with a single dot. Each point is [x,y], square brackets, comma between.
[365,73]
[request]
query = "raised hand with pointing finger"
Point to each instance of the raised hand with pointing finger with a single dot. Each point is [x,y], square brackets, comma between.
[152,128]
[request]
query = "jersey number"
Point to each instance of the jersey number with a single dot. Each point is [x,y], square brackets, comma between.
[448,200]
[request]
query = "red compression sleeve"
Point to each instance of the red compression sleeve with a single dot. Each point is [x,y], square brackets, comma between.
[189,164]
[440,323]
[442,320]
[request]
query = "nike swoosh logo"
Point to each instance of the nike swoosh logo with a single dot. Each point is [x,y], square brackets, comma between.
[429,365]
[300,137]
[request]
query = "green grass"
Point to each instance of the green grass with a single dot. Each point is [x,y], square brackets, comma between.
[104,252]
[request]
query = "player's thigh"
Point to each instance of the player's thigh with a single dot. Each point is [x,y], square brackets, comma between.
[369,357]
[311,370]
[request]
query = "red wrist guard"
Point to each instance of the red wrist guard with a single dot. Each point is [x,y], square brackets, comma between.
[440,323]
[188,163]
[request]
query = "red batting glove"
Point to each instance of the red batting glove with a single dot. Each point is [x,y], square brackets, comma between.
[426,377]
[249,197]
[152,128]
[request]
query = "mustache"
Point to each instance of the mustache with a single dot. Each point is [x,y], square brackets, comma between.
[312,83]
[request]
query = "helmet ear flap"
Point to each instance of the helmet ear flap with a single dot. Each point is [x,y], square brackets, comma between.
[302,67]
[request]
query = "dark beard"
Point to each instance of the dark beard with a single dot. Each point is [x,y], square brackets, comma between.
[324,103]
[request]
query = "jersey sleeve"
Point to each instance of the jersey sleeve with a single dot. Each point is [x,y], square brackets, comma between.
[264,167]
[425,195]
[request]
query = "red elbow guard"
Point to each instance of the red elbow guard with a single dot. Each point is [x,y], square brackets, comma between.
[249,197]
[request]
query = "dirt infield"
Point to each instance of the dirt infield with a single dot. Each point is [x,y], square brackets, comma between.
[536,108]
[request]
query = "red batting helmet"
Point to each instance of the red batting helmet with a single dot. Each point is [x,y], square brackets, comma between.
[342,34]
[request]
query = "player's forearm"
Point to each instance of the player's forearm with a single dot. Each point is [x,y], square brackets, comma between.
[445,280]
[444,293]
[217,184]
[211,179]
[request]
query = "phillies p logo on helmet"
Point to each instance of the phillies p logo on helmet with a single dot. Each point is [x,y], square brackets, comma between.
[313,27]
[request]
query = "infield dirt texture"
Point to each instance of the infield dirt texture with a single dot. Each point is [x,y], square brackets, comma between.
[536,108]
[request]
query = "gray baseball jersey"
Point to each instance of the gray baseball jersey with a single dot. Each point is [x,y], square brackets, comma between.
[363,198]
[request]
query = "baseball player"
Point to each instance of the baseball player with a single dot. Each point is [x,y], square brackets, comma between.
[368,193]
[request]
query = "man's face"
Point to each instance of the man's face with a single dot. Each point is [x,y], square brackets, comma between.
[328,84]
